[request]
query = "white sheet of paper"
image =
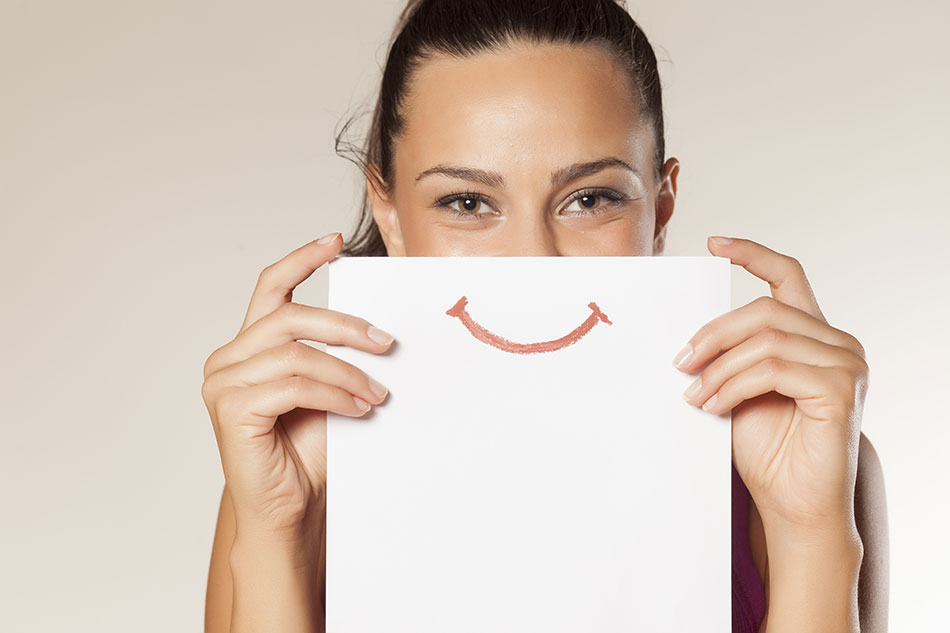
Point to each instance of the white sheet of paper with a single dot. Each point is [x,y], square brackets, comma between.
[549,491]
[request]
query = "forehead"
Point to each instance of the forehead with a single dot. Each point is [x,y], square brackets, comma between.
[522,104]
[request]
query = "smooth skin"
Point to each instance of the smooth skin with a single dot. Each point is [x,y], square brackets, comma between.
[267,394]
[795,384]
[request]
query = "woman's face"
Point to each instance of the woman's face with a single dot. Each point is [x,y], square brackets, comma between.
[530,150]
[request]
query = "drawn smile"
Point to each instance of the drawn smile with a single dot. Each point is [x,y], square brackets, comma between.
[485,336]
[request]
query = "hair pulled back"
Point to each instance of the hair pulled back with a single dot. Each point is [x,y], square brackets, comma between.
[463,28]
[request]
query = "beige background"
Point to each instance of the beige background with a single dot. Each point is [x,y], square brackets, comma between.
[155,156]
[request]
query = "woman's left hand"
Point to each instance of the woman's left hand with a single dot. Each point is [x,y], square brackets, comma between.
[796,386]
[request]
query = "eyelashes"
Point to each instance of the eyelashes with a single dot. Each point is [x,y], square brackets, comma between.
[614,199]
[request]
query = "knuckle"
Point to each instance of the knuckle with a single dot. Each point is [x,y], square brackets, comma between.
[771,336]
[764,303]
[211,363]
[851,342]
[296,385]
[857,346]
[859,350]
[859,368]
[768,307]
[289,311]
[218,359]
[266,277]
[207,369]
[772,366]
[207,393]
[847,383]
[293,352]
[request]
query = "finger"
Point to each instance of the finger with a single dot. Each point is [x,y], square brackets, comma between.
[256,407]
[299,359]
[822,393]
[292,321]
[784,274]
[730,329]
[767,343]
[276,283]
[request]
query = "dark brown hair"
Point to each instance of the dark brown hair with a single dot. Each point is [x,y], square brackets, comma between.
[462,28]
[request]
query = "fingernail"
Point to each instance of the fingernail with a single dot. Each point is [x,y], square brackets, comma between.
[361,404]
[378,390]
[718,240]
[683,356]
[378,335]
[693,389]
[710,403]
[326,239]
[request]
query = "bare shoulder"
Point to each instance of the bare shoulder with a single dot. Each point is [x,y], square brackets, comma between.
[870,512]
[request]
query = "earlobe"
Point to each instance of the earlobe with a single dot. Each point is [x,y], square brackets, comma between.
[665,203]
[384,213]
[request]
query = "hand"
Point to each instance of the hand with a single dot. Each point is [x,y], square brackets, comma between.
[796,387]
[267,394]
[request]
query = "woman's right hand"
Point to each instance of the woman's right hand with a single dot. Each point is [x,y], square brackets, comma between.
[268,393]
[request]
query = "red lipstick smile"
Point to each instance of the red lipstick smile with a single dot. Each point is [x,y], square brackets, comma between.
[485,336]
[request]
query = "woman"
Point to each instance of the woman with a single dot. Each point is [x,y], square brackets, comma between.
[536,128]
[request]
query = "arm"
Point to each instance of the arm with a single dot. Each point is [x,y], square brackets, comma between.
[851,578]
[253,573]
[276,586]
[796,386]
[870,513]
[219,592]
[268,394]
[812,580]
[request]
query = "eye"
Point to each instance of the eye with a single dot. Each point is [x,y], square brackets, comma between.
[470,205]
[588,200]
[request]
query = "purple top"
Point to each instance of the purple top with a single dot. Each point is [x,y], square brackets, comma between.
[748,594]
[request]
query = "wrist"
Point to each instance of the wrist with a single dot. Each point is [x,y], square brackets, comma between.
[838,535]
[276,586]
[298,544]
[813,578]
[248,552]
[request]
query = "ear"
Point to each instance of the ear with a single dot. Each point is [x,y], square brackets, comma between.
[665,201]
[384,213]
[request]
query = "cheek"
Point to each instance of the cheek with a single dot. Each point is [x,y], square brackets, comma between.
[424,237]
[440,241]
[625,235]
[425,233]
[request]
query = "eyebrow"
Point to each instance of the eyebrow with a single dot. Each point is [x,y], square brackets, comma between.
[558,177]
